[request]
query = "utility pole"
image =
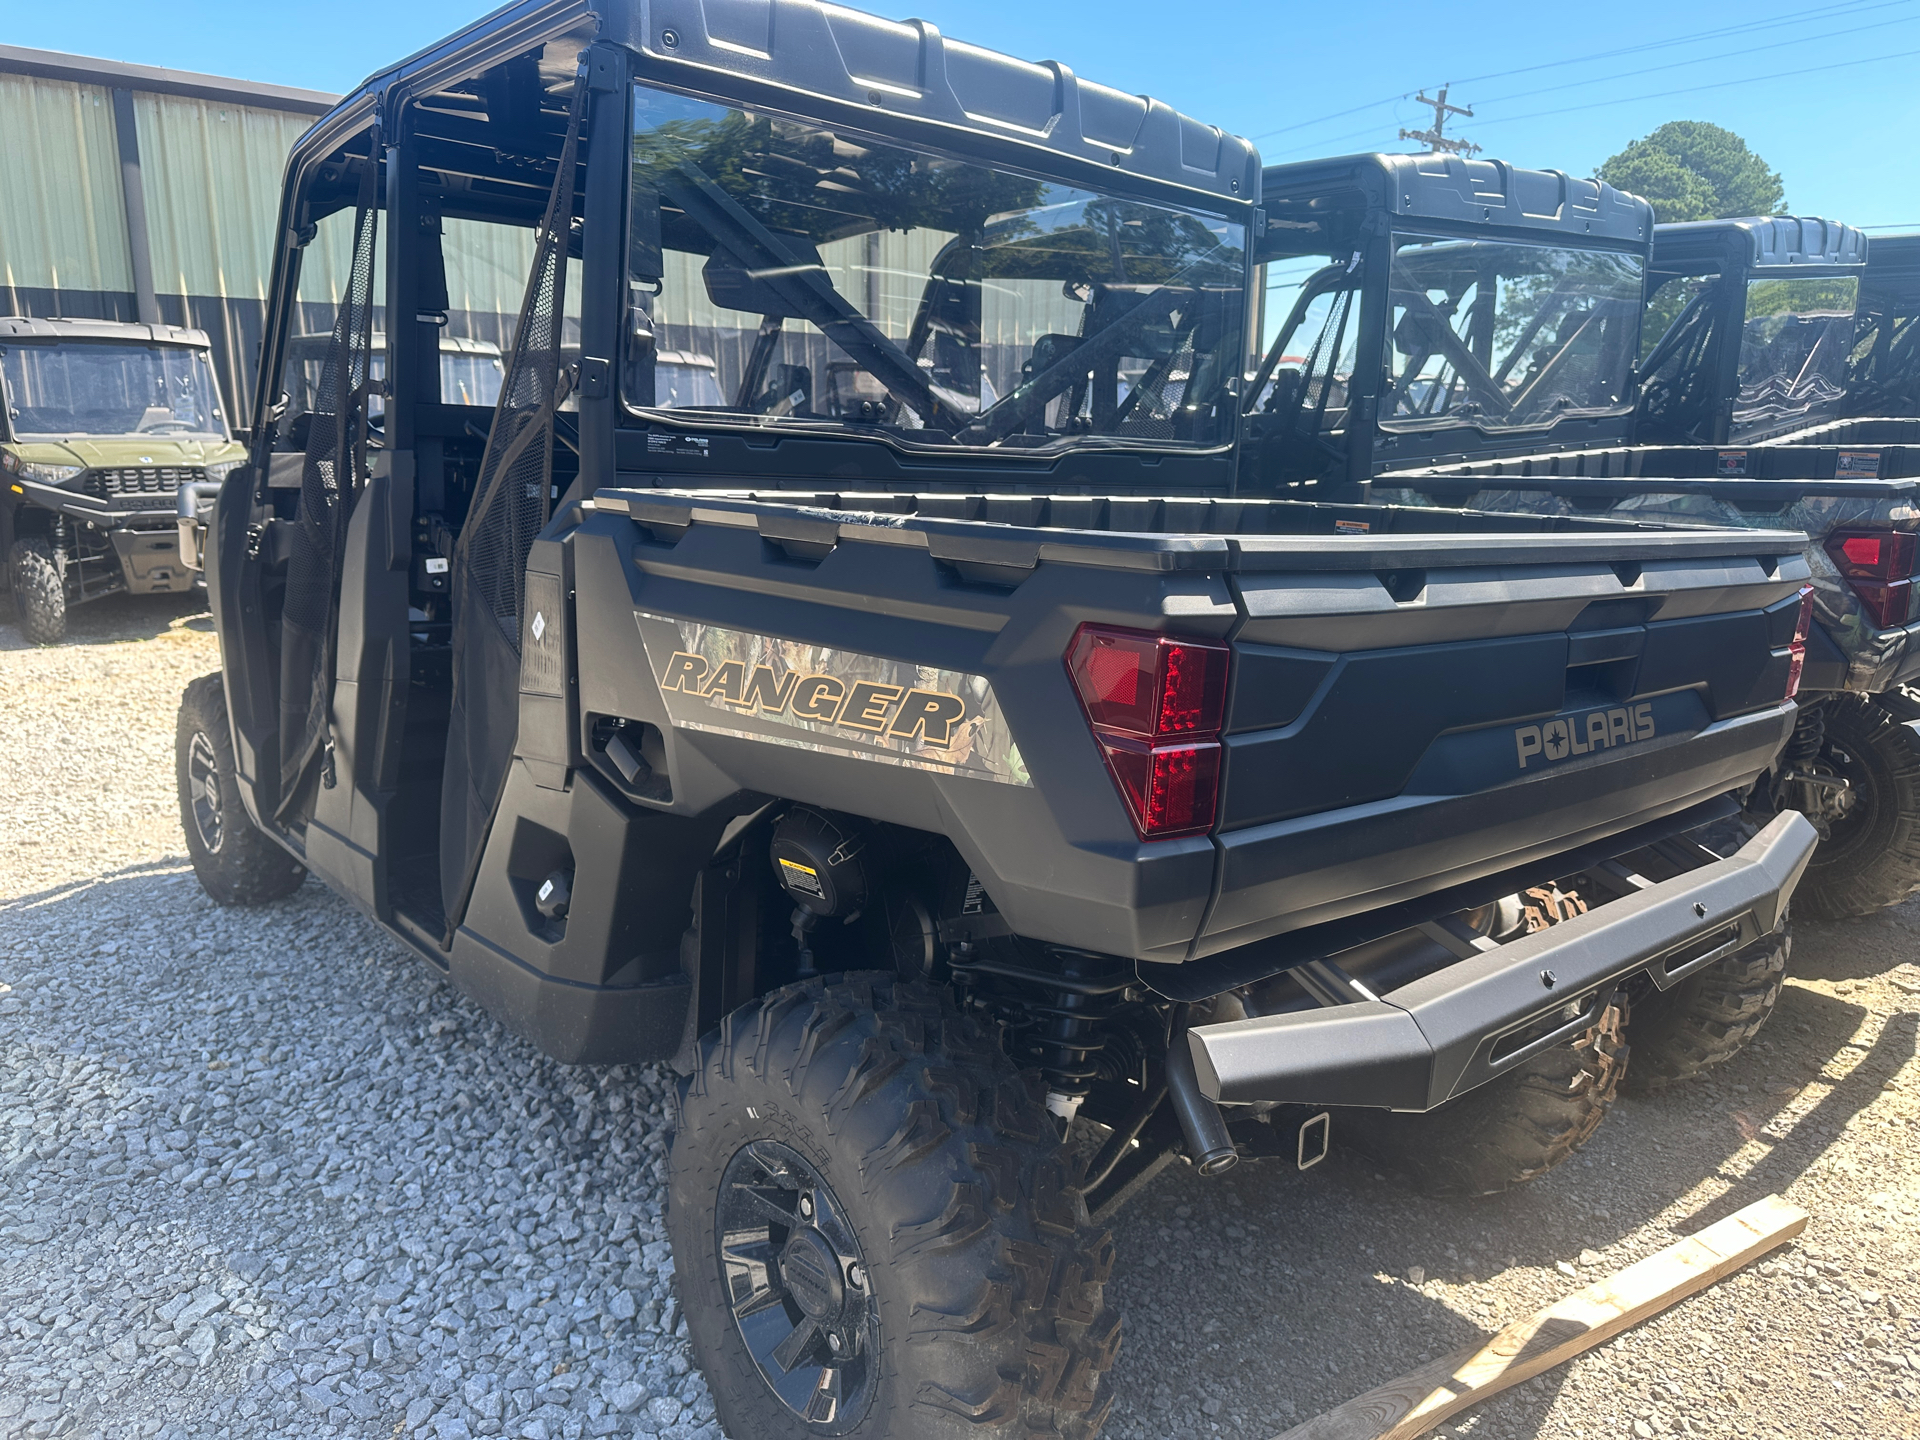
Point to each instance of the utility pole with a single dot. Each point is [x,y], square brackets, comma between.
[1436,138]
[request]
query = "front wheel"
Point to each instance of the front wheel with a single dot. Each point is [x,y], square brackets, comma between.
[1871,856]
[234,862]
[873,1229]
[39,594]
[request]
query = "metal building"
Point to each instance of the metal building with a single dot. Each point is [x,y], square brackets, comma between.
[134,193]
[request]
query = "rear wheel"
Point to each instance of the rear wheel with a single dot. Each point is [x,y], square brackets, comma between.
[234,862]
[1871,856]
[1707,1018]
[1503,1133]
[39,595]
[1518,1127]
[873,1229]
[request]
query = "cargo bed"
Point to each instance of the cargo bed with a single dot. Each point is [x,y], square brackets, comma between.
[1394,672]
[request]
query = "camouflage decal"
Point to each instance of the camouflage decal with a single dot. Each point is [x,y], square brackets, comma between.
[840,702]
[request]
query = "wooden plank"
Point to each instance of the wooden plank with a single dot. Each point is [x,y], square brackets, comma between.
[1417,1402]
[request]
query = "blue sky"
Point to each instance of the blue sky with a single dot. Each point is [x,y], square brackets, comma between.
[1821,90]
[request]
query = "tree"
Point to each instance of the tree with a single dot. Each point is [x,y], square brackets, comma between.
[1690,170]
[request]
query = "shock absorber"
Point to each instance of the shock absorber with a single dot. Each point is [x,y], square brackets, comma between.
[1061,1016]
[1074,1030]
[1802,783]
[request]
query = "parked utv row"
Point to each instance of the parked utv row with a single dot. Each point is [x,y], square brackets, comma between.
[929,670]
[1506,379]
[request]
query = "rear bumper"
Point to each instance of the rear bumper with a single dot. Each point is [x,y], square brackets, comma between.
[1421,1045]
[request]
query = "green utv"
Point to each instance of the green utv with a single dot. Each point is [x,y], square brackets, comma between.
[862,681]
[101,425]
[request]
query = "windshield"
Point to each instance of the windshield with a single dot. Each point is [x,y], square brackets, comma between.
[827,281]
[1794,349]
[1502,336]
[94,387]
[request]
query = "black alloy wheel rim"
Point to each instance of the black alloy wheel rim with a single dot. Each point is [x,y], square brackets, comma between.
[203,792]
[798,1287]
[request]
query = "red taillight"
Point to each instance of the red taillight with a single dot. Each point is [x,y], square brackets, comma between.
[1878,567]
[1149,685]
[1157,704]
[1797,651]
[1863,550]
[1169,789]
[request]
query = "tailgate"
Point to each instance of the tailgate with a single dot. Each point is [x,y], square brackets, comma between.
[1818,489]
[1397,730]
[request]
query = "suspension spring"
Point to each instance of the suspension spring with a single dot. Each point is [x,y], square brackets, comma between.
[1809,737]
[1061,1022]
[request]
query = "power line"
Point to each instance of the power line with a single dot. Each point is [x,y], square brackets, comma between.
[1696,89]
[1824,12]
[1703,59]
[1325,145]
[1799,18]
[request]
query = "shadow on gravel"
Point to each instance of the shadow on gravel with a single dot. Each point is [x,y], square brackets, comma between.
[1861,949]
[1277,1294]
[1813,1133]
[71,889]
[117,617]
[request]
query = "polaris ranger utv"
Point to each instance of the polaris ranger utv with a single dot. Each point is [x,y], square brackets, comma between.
[1882,405]
[1749,329]
[1786,288]
[101,423]
[918,743]
[1421,309]
[1450,322]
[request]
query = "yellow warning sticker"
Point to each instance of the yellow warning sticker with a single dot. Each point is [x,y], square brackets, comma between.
[803,878]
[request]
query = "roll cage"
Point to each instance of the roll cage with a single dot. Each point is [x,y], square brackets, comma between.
[1332,431]
[372,713]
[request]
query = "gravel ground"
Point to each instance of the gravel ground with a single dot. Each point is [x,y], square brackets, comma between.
[264,1174]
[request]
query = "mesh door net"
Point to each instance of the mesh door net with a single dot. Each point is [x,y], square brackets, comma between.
[331,479]
[510,507]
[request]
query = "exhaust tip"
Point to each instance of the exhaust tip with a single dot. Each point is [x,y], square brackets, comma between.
[1217,1162]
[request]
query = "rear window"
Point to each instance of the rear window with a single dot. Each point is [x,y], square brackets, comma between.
[1508,336]
[1794,348]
